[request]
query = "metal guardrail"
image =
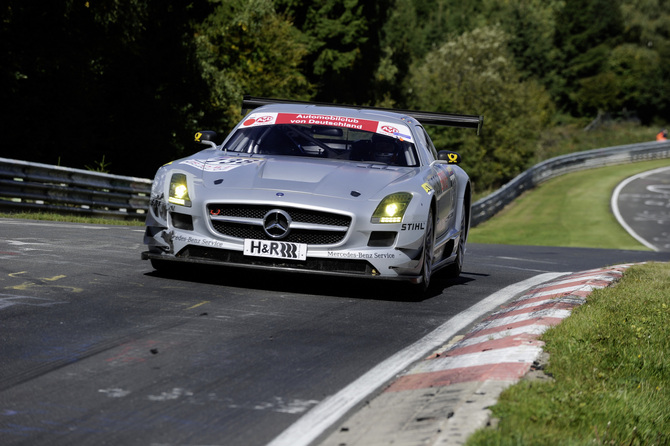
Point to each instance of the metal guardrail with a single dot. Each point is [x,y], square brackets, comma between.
[33,186]
[488,206]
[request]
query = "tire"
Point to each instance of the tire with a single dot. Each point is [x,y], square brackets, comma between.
[454,270]
[428,245]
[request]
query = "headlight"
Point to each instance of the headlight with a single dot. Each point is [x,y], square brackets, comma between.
[179,190]
[392,208]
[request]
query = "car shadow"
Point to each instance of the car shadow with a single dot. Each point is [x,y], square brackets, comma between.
[313,284]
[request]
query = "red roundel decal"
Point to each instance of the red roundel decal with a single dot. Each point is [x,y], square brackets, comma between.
[259,120]
[389,129]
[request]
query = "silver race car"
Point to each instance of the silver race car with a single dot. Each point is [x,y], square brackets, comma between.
[335,190]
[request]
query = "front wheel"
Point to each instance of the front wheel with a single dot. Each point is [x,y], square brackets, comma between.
[428,245]
[454,270]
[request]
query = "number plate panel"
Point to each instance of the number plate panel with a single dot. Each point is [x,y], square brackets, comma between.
[275,249]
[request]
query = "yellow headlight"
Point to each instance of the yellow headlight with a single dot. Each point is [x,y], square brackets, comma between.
[179,190]
[392,208]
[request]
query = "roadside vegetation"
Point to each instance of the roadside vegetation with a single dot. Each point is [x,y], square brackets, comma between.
[610,373]
[570,138]
[609,361]
[46,216]
[123,86]
[571,210]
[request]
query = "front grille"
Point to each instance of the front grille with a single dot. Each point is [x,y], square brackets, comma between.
[253,215]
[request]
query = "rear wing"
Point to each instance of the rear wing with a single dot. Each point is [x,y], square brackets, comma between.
[425,118]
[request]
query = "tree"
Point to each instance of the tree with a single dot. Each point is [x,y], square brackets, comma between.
[83,80]
[412,29]
[245,47]
[530,25]
[586,31]
[645,63]
[630,81]
[474,73]
[342,38]
[131,82]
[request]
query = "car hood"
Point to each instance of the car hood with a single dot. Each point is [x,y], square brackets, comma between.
[332,178]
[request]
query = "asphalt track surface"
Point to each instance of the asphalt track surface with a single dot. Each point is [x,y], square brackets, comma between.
[96,348]
[642,206]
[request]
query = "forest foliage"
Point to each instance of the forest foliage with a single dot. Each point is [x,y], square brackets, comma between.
[129,82]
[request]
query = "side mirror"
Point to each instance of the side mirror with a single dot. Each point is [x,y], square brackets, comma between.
[205,135]
[449,156]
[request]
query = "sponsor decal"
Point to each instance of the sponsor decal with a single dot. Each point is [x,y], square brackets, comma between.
[223,164]
[390,129]
[427,188]
[327,120]
[275,249]
[361,255]
[197,241]
[385,128]
[401,132]
[452,175]
[443,177]
[260,119]
[413,227]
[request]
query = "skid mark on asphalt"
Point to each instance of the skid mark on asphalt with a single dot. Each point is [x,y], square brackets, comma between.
[9,300]
[114,392]
[30,246]
[277,404]
[173,394]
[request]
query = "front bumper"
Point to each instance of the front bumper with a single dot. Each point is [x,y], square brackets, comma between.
[337,264]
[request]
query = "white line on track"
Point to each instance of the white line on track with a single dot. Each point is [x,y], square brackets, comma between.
[615,206]
[321,417]
[525,260]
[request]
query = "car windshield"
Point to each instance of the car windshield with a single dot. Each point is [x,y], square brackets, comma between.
[323,142]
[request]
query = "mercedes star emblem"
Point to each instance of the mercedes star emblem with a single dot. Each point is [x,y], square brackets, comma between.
[276,223]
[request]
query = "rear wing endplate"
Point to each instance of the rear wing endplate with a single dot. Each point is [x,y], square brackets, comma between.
[425,118]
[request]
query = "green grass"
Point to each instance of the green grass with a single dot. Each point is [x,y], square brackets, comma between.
[572,210]
[70,218]
[610,361]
